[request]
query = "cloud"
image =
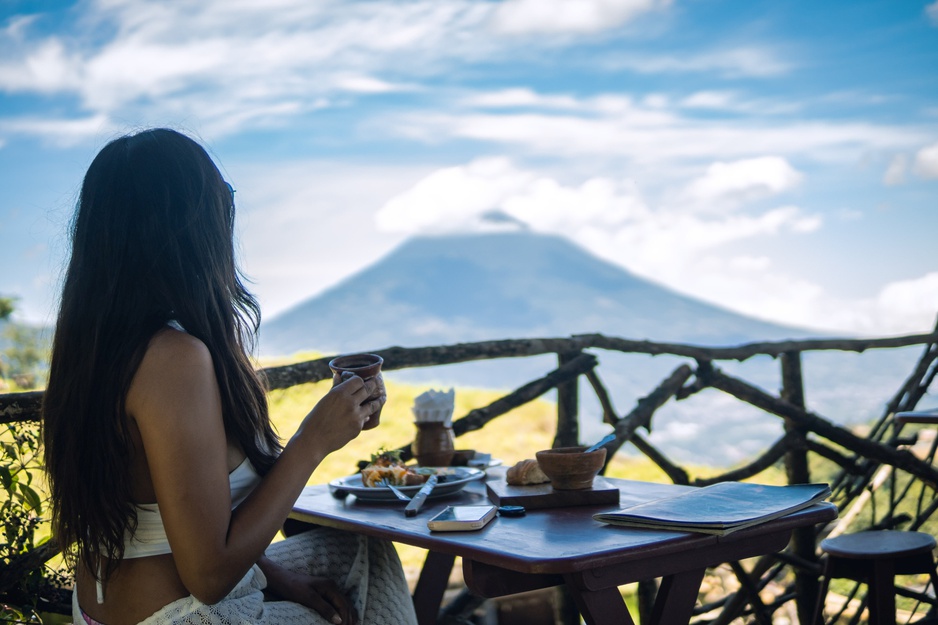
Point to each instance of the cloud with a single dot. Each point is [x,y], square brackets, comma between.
[59,132]
[455,198]
[742,61]
[297,221]
[132,60]
[895,173]
[733,102]
[466,197]
[680,247]
[520,98]
[931,10]
[368,84]
[926,161]
[619,128]
[756,286]
[523,17]
[126,59]
[230,66]
[43,67]
[710,100]
[549,206]
[274,63]
[669,246]
[911,303]
[138,63]
[742,181]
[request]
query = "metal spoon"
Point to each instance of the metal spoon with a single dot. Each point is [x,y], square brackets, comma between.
[605,439]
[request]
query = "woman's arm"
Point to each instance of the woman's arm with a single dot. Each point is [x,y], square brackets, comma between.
[175,401]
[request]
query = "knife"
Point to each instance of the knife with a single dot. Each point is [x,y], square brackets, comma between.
[420,497]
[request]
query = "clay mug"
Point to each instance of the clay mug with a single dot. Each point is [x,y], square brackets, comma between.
[367,367]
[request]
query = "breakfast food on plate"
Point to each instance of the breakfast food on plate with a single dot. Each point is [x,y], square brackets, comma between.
[387,465]
[525,473]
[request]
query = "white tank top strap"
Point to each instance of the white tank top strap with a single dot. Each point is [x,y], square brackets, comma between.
[175,325]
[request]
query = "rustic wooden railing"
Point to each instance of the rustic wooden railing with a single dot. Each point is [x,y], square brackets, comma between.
[861,462]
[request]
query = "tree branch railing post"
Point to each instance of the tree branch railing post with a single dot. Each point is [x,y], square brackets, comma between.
[568,409]
[567,435]
[803,540]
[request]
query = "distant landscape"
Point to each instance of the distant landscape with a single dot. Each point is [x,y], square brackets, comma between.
[435,290]
[444,290]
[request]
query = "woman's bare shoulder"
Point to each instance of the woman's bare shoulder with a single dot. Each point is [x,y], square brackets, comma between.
[174,363]
[176,343]
[173,345]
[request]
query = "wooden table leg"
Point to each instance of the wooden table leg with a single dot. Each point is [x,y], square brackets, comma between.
[600,607]
[677,597]
[428,594]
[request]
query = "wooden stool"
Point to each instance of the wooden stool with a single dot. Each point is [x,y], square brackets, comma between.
[875,558]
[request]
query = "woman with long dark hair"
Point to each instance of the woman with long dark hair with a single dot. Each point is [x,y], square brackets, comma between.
[168,481]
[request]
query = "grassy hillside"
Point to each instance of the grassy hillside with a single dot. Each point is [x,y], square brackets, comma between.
[513,436]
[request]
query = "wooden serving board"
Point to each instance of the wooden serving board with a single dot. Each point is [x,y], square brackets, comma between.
[538,496]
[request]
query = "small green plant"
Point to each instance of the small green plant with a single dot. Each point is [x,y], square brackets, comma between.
[28,582]
[13,614]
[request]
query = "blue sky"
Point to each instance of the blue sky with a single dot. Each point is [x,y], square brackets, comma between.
[778,158]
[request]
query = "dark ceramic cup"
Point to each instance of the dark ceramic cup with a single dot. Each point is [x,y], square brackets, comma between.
[367,367]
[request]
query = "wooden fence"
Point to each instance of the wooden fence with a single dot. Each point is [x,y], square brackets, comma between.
[861,462]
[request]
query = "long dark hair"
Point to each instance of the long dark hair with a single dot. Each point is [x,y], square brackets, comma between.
[152,241]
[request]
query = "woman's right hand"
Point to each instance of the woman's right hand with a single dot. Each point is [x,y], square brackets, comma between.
[340,416]
[319,593]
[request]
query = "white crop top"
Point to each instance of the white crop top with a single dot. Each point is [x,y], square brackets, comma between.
[150,537]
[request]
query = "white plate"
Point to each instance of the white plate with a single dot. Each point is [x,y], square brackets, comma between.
[452,479]
[485,464]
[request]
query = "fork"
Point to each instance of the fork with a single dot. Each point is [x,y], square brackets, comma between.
[394,490]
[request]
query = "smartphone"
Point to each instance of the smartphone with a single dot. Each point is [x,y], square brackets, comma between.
[462,518]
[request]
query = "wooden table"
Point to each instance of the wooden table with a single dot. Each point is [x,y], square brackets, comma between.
[557,546]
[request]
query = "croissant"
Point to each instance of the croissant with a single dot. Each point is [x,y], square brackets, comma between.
[526,472]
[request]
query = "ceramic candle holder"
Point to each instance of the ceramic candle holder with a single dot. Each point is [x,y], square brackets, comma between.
[434,444]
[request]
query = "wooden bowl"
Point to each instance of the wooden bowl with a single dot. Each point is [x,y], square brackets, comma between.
[569,468]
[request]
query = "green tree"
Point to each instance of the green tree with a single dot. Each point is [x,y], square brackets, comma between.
[6,307]
[25,357]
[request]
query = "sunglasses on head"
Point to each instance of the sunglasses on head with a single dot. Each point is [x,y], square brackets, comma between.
[231,190]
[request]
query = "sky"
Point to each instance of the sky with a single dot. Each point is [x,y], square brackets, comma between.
[777,158]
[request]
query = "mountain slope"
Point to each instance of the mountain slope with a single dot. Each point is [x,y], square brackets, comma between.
[466,288]
[433,291]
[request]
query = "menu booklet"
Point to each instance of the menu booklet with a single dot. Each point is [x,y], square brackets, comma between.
[721,508]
